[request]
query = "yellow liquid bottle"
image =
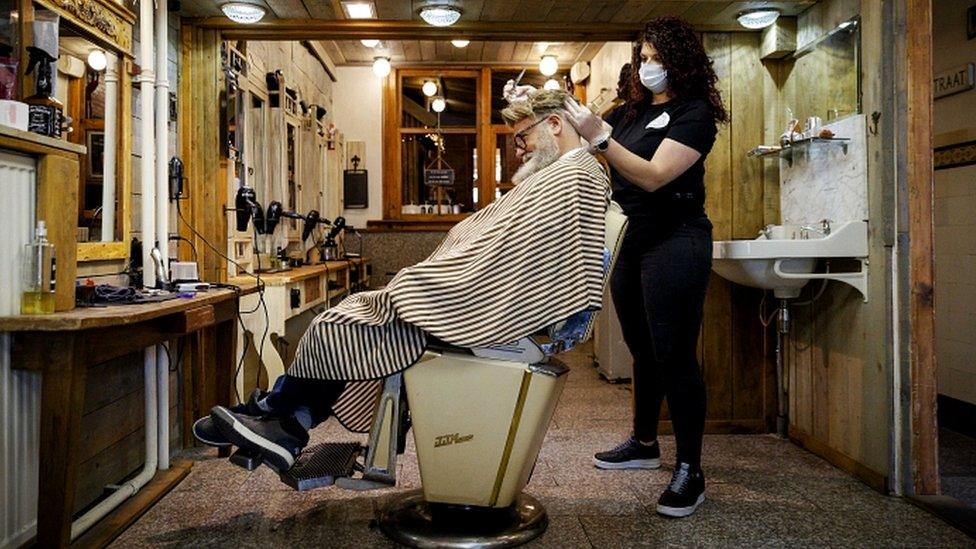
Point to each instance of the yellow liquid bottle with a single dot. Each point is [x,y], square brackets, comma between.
[39,275]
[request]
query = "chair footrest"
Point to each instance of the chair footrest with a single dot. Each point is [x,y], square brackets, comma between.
[321,465]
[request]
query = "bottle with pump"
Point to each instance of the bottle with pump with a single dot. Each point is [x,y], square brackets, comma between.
[39,275]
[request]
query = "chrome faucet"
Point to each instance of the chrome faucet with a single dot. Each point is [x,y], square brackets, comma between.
[824,229]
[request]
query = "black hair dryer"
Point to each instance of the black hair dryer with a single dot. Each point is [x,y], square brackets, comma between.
[245,203]
[330,250]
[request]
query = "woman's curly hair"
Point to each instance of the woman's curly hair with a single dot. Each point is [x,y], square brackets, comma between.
[690,72]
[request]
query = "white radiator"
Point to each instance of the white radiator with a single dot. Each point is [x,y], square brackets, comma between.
[20,392]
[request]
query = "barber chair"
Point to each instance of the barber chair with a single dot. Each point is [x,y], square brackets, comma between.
[479,417]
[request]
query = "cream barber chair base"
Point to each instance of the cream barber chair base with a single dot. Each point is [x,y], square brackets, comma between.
[478,424]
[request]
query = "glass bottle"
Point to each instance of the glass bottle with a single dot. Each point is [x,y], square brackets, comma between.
[39,275]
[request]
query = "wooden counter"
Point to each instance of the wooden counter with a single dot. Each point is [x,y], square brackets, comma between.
[62,346]
[287,294]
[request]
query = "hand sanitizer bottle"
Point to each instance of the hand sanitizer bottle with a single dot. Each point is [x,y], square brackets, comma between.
[39,275]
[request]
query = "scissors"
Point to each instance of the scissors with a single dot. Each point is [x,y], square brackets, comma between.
[519,79]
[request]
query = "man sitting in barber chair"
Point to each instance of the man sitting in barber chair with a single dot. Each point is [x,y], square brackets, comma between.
[532,259]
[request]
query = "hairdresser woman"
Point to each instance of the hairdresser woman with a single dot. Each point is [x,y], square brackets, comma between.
[656,144]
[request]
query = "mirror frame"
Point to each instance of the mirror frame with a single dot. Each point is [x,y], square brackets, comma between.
[108,24]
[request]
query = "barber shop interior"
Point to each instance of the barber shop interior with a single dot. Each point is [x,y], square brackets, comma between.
[487,273]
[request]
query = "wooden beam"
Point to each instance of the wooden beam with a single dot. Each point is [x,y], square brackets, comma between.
[321,29]
[318,51]
[918,75]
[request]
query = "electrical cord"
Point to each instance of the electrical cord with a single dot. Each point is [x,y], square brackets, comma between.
[190,242]
[261,302]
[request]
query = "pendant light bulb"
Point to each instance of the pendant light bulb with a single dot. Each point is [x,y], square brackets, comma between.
[551,84]
[549,65]
[438,104]
[430,88]
[381,66]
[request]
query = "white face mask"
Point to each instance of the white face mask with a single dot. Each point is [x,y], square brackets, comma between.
[653,76]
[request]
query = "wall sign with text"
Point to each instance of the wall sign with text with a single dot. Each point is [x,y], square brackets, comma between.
[958,79]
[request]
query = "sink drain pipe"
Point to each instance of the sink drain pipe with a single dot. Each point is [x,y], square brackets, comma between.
[782,395]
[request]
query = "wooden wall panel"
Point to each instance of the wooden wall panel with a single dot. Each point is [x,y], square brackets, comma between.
[840,401]
[716,332]
[736,351]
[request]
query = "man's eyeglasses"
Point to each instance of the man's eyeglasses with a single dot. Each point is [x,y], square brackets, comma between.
[520,136]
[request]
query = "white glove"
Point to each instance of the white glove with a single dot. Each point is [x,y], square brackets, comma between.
[590,126]
[514,94]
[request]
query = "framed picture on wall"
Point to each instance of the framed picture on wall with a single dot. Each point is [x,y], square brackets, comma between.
[95,141]
[971,22]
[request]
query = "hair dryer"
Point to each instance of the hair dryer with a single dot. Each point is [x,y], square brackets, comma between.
[246,205]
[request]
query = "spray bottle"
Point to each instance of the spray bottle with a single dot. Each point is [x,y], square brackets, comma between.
[39,275]
[45,111]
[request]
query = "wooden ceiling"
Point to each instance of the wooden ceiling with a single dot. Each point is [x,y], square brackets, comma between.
[502,31]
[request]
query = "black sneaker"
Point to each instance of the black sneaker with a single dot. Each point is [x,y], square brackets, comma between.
[630,454]
[277,440]
[206,432]
[684,494]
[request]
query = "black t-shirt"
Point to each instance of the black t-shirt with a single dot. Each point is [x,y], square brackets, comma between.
[690,123]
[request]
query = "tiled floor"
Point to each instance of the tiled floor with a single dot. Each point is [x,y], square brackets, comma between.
[762,491]
[957,465]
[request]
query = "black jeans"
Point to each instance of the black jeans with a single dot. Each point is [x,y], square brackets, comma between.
[658,288]
[311,399]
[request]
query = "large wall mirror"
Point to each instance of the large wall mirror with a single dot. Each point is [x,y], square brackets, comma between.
[439,132]
[828,74]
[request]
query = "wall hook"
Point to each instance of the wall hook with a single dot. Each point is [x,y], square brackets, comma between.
[873,128]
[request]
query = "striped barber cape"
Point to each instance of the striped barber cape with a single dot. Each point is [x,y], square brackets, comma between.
[530,259]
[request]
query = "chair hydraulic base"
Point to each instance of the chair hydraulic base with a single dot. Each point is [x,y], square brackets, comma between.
[410,520]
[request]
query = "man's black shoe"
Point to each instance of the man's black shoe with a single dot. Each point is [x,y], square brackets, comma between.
[685,492]
[206,432]
[630,454]
[277,440]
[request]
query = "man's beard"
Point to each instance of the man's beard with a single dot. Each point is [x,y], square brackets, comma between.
[546,152]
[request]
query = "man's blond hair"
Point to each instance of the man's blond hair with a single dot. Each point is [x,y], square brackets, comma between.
[539,103]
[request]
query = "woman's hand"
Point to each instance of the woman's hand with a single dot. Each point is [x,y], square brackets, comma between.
[591,127]
[514,94]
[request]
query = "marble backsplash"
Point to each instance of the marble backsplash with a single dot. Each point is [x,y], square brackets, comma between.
[824,182]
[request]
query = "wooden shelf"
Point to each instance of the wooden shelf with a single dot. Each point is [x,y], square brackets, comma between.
[30,142]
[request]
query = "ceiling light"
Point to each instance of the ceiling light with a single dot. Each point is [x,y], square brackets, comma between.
[551,84]
[440,15]
[97,60]
[430,88]
[239,12]
[370,42]
[460,43]
[549,65]
[438,104]
[381,66]
[758,19]
[359,10]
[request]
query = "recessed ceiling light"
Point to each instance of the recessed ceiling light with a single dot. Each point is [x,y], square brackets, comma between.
[359,10]
[429,88]
[381,66]
[239,12]
[460,43]
[551,84]
[758,19]
[370,42]
[549,65]
[440,15]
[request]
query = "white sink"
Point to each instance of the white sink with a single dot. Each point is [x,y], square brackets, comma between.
[786,264]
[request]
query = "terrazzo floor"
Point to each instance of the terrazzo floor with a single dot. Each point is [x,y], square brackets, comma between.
[761,491]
